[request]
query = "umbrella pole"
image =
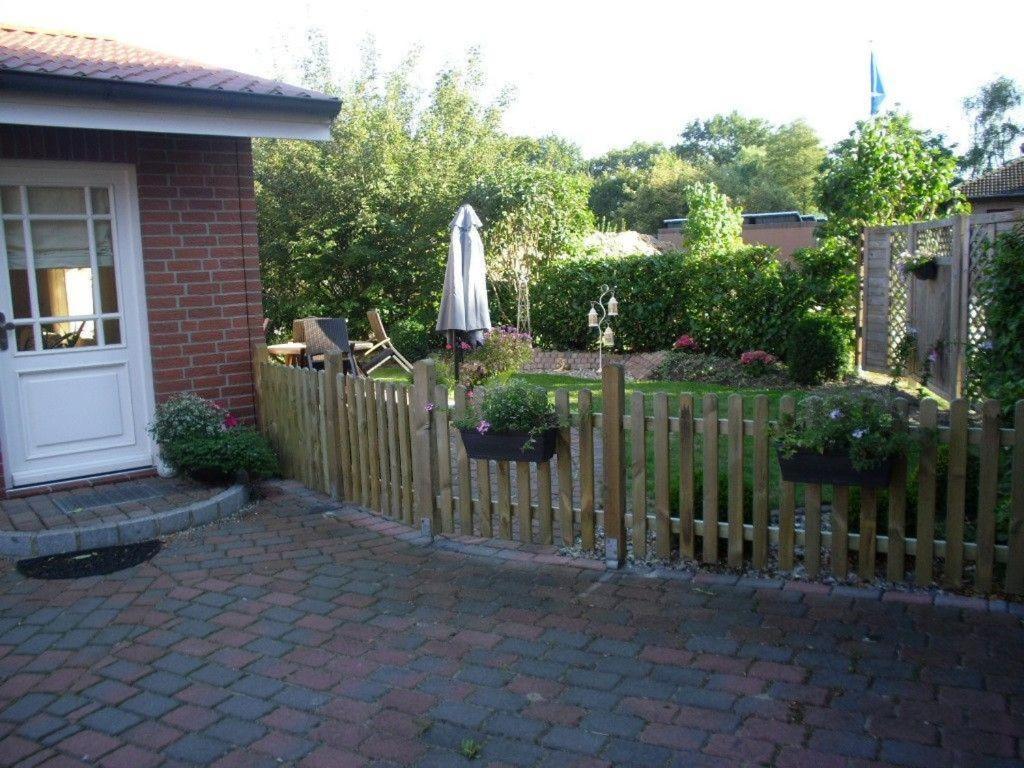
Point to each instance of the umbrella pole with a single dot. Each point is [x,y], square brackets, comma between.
[457,350]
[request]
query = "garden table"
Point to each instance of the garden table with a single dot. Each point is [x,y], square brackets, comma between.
[292,352]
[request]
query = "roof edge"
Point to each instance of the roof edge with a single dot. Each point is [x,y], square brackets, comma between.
[118,90]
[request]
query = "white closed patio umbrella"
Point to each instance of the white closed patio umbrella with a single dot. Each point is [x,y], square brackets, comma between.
[464,300]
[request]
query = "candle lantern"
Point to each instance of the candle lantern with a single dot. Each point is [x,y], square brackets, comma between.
[599,318]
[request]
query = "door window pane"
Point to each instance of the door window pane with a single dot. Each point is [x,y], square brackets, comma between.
[111,331]
[105,261]
[10,199]
[24,338]
[17,271]
[74,333]
[100,200]
[56,200]
[63,270]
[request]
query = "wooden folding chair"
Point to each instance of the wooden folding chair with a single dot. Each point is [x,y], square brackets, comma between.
[383,349]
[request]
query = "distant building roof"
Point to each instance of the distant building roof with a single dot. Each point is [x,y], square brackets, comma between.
[760,217]
[1005,181]
[37,59]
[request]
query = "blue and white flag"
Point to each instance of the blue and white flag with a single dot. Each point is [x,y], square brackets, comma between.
[877,89]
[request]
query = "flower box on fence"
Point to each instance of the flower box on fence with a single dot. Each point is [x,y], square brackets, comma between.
[832,469]
[510,446]
[928,270]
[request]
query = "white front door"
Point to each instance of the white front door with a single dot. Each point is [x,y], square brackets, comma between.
[75,381]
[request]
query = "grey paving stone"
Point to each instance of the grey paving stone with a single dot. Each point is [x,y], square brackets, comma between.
[111,720]
[235,731]
[574,740]
[468,715]
[194,749]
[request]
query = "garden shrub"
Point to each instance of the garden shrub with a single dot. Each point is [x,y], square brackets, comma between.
[203,440]
[724,371]
[728,303]
[504,352]
[220,457]
[514,407]
[998,362]
[817,349]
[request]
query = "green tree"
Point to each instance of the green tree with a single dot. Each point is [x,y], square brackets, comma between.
[885,172]
[660,193]
[618,175]
[713,225]
[717,141]
[994,130]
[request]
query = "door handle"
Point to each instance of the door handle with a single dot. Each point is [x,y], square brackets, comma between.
[5,326]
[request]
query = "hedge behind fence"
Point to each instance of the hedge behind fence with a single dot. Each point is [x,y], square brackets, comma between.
[729,302]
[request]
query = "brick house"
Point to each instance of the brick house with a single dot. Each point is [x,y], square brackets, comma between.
[129,268]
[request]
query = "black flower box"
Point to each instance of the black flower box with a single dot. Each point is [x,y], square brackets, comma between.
[508,446]
[927,271]
[832,469]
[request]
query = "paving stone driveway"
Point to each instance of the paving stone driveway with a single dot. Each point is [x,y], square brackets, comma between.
[310,634]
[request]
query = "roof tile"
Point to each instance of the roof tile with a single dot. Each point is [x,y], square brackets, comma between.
[100,58]
[1007,180]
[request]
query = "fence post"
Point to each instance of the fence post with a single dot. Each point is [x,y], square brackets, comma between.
[259,356]
[333,365]
[613,437]
[424,382]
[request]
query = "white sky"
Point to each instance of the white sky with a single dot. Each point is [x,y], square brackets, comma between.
[603,74]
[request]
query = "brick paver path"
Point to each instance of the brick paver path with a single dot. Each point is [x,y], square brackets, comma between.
[311,634]
[115,502]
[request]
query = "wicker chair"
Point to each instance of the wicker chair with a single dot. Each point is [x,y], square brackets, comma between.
[324,336]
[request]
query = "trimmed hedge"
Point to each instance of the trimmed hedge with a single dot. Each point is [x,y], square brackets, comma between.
[730,302]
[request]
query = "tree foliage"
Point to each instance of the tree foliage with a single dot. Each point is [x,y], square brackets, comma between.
[886,172]
[994,128]
[361,220]
[713,225]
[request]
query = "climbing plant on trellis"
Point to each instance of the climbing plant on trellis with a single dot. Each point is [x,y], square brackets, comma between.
[899,293]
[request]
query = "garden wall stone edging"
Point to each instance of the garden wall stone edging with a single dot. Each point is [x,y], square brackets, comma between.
[23,544]
[639,365]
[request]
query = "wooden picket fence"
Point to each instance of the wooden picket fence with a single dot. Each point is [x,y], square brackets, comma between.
[634,472]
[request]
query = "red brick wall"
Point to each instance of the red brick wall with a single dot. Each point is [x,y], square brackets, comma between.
[199,249]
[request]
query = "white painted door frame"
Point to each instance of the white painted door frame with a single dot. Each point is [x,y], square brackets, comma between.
[43,372]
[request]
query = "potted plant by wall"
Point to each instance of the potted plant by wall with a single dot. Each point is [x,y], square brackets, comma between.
[840,440]
[514,422]
[922,266]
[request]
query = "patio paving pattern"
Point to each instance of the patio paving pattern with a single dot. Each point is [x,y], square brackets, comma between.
[312,633]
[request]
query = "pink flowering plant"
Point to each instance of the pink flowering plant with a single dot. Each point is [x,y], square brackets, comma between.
[757,362]
[504,352]
[513,407]
[686,343]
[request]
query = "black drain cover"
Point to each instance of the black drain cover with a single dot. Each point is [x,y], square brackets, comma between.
[88,562]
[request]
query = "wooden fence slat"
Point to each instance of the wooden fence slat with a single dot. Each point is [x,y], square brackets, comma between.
[639,474]
[787,504]
[355,492]
[735,481]
[371,427]
[384,448]
[443,441]
[366,488]
[1015,566]
[760,500]
[812,529]
[587,516]
[926,476]
[868,542]
[524,499]
[465,478]
[336,436]
[840,531]
[613,443]
[544,502]
[895,558]
[405,451]
[988,490]
[423,454]
[394,461]
[483,482]
[686,484]
[504,472]
[563,450]
[328,481]
[344,438]
[662,511]
[709,446]
[956,493]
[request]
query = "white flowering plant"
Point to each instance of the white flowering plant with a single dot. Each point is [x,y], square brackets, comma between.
[865,427]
